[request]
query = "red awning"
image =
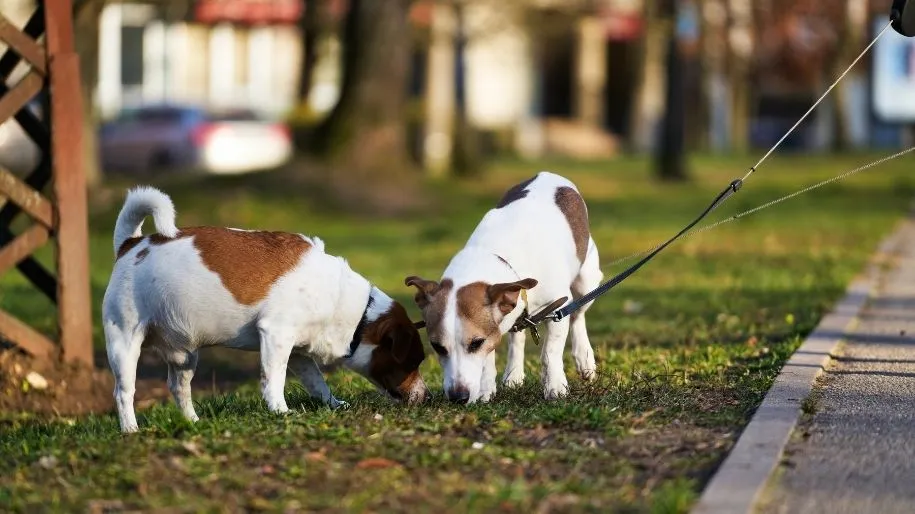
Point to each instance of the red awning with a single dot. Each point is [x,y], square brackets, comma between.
[248,11]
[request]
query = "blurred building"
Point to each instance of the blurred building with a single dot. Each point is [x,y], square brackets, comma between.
[573,77]
[559,76]
[238,53]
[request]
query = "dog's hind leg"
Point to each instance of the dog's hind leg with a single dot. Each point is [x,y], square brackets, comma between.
[181,367]
[513,375]
[589,277]
[313,380]
[123,347]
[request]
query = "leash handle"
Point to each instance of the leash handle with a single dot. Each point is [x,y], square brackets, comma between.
[902,16]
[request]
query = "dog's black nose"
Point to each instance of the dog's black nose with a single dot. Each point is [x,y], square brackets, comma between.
[459,395]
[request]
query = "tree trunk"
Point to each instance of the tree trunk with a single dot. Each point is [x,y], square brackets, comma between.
[311,27]
[86,29]
[439,122]
[465,157]
[649,90]
[850,39]
[714,81]
[670,162]
[741,53]
[366,131]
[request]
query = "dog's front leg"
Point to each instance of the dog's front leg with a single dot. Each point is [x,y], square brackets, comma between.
[488,381]
[276,346]
[313,380]
[513,376]
[555,384]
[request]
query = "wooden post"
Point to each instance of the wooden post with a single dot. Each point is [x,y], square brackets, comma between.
[74,311]
[56,69]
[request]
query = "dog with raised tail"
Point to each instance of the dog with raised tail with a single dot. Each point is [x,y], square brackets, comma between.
[178,290]
[533,248]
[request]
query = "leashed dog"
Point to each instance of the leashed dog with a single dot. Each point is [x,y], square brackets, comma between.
[179,290]
[536,240]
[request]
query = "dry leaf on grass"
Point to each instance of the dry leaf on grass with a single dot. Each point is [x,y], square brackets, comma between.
[376,463]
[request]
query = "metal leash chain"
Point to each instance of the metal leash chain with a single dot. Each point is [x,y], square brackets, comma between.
[548,314]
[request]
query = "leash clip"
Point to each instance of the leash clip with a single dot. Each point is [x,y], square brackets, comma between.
[535,335]
[525,322]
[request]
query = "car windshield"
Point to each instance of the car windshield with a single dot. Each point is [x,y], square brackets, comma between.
[233,115]
[152,114]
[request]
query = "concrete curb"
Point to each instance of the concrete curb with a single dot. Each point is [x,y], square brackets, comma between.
[738,484]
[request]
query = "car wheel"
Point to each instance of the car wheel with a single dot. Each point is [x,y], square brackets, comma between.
[161,160]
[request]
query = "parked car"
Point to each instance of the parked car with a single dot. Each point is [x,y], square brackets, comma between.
[18,153]
[158,137]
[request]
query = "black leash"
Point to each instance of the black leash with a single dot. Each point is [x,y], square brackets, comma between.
[549,313]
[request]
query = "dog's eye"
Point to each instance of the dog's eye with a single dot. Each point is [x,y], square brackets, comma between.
[439,349]
[475,344]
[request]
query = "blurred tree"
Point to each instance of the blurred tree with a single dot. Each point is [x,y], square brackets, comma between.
[439,92]
[670,162]
[793,65]
[740,57]
[366,131]
[311,25]
[851,25]
[452,143]
[465,156]
[714,70]
[650,84]
[86,18]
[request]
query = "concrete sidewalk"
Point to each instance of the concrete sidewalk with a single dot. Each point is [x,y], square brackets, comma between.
[854,450]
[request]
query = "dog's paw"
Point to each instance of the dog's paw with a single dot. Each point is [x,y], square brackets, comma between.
[335,404]
[486,396]
[513,379]
[278,408]
[130,429]
[556,391]
[588,375]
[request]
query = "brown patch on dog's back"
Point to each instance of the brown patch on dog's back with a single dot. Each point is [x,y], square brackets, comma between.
[472,303]
[574,209]
[128,245]
[517,192]
[248,262]
[141,255]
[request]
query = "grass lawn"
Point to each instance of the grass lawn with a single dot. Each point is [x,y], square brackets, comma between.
[686,348]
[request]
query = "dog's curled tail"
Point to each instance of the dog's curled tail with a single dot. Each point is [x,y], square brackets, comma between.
[142,202]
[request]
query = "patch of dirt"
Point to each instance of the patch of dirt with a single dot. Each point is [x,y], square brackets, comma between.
[72,390]
[69,389]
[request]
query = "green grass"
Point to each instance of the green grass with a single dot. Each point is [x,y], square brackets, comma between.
[686,348]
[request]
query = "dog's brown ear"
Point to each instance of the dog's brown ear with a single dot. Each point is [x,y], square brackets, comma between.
[406,346]
[506,295]
[424,290]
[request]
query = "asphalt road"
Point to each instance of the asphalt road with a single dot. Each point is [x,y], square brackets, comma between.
[856,453]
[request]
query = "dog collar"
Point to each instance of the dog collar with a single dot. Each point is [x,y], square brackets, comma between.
[523,291]
[360,327]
